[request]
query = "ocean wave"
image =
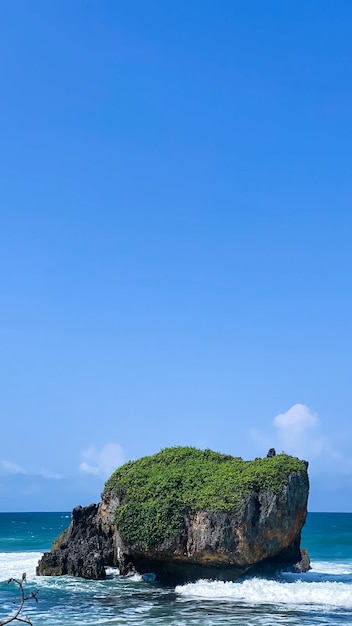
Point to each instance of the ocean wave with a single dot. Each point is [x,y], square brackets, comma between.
[14,564]
[335,568]
[260,591]
[112,572]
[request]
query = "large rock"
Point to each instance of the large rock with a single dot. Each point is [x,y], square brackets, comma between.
[186,514]
[86,546]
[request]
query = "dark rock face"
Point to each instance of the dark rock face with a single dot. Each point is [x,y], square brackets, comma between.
[223,545]
[86,547]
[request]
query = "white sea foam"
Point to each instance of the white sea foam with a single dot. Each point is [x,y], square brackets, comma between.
[260,591]
[112,572]
[332,567]
[323,571]
[14,564]
[135,578]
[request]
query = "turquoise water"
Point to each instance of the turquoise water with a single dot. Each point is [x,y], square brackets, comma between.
[321,597]
[21,532]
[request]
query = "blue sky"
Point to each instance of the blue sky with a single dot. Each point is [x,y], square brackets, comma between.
[175,240]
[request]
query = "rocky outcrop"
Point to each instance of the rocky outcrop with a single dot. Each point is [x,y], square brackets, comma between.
[265,531]
[87,546]
[264,534]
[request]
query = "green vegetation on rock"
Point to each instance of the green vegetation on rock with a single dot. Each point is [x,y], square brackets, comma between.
[155,491]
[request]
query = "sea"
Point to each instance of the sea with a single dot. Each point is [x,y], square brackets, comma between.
[322,596]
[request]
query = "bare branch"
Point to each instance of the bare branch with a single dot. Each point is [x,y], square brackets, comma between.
[32,596]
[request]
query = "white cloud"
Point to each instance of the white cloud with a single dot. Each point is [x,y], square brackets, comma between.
[297,419]
[102,462]
[12,468]
[298,431]
[47,474]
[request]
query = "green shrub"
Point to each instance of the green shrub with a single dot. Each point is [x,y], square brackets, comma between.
[155,491]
